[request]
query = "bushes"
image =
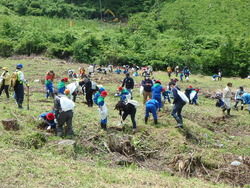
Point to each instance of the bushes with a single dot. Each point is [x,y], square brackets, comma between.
[6,48]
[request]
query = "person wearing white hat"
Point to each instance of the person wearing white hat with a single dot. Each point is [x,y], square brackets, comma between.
[5,82]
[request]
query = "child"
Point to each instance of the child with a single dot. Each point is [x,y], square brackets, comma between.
[152,106]
[49,119]
[194,96]
[156,92]
[98,94]
[49,87]
[220,103]
[103,110]
[124,95]
[61,85]
[181,76]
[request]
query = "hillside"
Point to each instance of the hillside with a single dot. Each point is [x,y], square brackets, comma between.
[198,155]
[205,35]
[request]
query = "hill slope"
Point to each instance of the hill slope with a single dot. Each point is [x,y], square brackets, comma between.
[161,154]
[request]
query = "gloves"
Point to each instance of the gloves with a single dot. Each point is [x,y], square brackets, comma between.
[49,127]
[171,104]
[116,94]
[27,85]
[55,120]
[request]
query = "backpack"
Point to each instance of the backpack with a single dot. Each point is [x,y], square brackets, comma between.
[93,85]
[182,96]
[13,79]
[66,104]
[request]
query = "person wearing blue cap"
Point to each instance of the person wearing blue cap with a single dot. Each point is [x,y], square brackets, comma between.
[98,94]
[18,87]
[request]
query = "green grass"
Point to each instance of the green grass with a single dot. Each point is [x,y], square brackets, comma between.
[23,165]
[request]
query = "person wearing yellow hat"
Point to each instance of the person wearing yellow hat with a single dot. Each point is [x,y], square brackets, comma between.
[5,82]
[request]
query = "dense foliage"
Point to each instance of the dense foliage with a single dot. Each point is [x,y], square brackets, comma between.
[205,35]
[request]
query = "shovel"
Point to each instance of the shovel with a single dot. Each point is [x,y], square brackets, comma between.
[28,98]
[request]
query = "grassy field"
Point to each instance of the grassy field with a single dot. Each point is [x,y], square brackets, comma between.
[199,155]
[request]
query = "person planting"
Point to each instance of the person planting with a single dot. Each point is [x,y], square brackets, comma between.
[152,106]
[103,110]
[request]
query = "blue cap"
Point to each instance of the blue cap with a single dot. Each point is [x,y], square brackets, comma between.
[101,89]
[19,66]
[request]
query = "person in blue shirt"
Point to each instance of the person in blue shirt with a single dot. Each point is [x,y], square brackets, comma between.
[246,100]
[61,85]
[181,76]
[156,92]
[214,77]
[97,94]
[238,97]
[48,118]
[124,94]
[103,110]
[49,87]
[152,106]
[166,94]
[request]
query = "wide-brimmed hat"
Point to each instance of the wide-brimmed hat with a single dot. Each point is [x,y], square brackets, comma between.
[5,68]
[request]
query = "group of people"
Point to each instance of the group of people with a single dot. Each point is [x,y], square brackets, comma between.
[224,99]
[15,80]
[184,72]
[154,97]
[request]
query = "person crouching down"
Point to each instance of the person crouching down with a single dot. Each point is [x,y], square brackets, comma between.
[49,119]
[126,109]
[63,108]
[152,106]
[103,110]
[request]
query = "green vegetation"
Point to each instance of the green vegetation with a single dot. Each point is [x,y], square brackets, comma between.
[31,157]
[204,35]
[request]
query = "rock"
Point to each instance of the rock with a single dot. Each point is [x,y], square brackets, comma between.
[235,163]
[67,143]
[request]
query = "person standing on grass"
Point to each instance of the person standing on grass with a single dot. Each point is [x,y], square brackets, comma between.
[128,82]
[91,70]
[18,88]
[5,83]
[227,95]
[219,75]
[238,97]
[49,87]
[152,106]
[178,105]
[103,110]
[246,100]
[52,75]
[63,108]
[156,92]
[147,88]
[98,94]
[177,70]
[61,85]
[169,71]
